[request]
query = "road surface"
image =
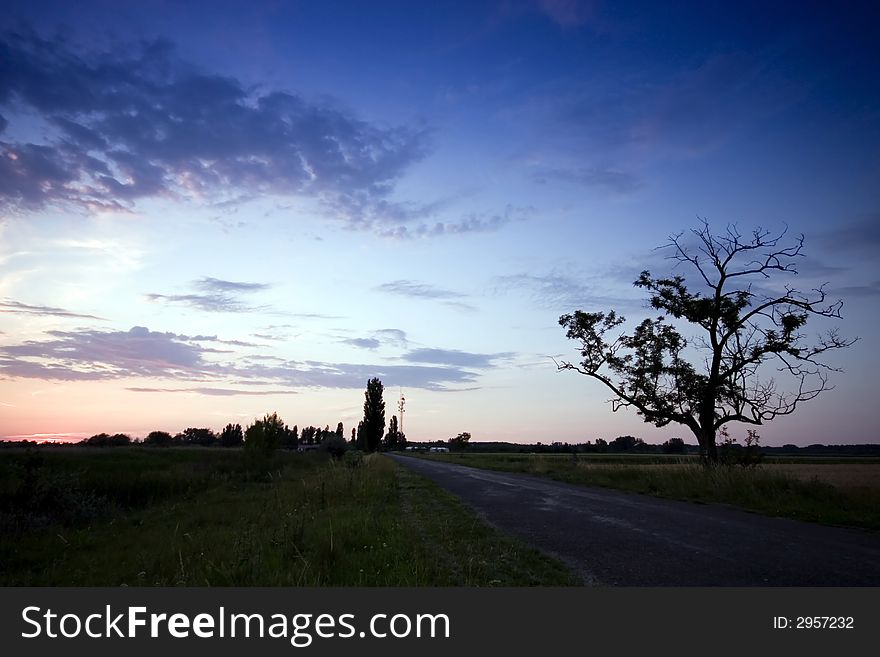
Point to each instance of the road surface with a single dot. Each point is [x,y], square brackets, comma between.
[621,539]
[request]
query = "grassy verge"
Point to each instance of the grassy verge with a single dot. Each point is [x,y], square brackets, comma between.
[143,517]
[761,489]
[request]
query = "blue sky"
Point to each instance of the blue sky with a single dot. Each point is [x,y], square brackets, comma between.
[209,211]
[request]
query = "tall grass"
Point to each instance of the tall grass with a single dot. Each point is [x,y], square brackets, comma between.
[214,517]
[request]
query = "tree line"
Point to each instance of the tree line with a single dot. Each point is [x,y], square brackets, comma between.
[271,432]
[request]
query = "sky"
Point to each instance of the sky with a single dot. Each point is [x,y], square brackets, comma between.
[210,211]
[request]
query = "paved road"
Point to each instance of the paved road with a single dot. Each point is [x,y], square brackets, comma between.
[622,539]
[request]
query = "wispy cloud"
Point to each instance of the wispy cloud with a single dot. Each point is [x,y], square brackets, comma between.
[138,122]
[860,237]
[217,285]
[416,290]
[141,353]
[9,306]
[455,358]
[363,343]
[395,337]
[218,296]
[563,293]
[471,223]
[91,354]
[216,392]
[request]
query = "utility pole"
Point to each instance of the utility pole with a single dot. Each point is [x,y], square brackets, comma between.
[400,404]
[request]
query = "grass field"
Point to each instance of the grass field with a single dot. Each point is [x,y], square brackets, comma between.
[208,517]
[835,491]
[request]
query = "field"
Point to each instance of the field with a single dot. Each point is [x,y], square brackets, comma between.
[209,517]
[835,491]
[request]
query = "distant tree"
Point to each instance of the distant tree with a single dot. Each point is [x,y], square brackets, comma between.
[158,439]
[340,431]
[204,437]
[393,435]
[231,436]
[741,332]
[289,438]
[353,436]
[601,445]
[361,437]
[265,435]
[335,444]
[673,446]
[460,442]
[625,443]
[106,440]
[374,414]
[308,435]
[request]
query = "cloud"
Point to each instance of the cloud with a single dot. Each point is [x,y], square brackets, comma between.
[860,237]
[91,354]
[418,290]
[472,223]
[219,296]
[138,122]
[355,375]
[562,293]
[140,353]
[395,337]
[216,392]
[9,306]
[217,285]
[455,358]
[214,303]
[363,343]
[555,291]
[870,290]
[611,180]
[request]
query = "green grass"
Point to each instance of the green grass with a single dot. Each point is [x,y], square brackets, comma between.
[760,489]
[209,517]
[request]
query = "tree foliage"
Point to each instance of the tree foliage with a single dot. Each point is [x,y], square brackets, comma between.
[754,362]
[231,436]
[374,414]
[265,435]
[461,441]
[392,438]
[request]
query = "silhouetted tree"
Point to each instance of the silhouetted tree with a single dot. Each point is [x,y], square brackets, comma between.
[374,414]
[340,431]
[231,436]
[106,440]
[673,446]
[739,328]
[361,437]
[393,435]
[290,438]
[353,436]
[460,441]
[193,436]
[265,435]
[625,443]
[158,439]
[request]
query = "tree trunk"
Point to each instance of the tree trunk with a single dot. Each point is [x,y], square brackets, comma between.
[707,442]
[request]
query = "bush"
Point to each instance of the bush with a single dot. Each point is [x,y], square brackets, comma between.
[335,445]
[353,458]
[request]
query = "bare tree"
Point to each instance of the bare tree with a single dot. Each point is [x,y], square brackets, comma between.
[741,332]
